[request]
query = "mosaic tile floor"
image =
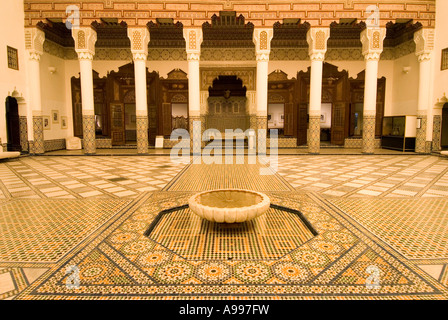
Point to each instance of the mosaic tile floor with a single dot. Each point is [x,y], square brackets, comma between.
[84,177]
[372,176]
[394,239]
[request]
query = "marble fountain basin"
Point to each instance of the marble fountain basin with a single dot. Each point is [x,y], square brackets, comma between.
[229,205]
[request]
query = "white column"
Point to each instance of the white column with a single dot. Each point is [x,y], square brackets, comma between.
[262,39]
[85,39]
[139,46]
[424,40]
[372,41]
[34,46]
[317,40]
[193,38]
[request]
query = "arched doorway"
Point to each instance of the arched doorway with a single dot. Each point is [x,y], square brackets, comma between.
[12,125]
[227,105]
[444,133]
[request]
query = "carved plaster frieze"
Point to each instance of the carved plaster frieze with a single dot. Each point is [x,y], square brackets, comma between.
[317,41]
[85,39]
[139,42]
[372,39]
[424,41]
[34,42]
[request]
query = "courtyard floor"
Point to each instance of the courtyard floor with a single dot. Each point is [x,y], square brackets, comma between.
[340,227]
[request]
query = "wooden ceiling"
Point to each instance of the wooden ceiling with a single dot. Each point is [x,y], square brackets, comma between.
[228,30]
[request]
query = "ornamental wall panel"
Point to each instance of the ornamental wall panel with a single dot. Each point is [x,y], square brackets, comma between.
[194,13]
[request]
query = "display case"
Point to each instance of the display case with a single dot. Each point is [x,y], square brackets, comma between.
[399,133]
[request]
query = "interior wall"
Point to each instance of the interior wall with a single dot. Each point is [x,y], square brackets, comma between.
[11,22]
[441,42]
[53,95]
[179,110]
[405,86]
[276,110]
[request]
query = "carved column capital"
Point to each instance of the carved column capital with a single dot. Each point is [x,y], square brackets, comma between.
[372,39]
[34,42]
[193,56]
[193,39]
[424,41]
[262,57]
[85,56]
[317,41]
[85,39]
[372,56]
[139,42]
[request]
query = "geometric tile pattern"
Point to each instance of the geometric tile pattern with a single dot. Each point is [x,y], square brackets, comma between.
[88,130]
[142,134]
[371,176]
[84,177]
[314,135]
[45,230]
[369,134]
[23,133]
[38,131]
[437,133]
[122,263]
[421,233]
[276,233]
[117,261]
[420,140]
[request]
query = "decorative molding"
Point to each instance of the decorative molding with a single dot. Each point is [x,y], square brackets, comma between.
[196,13]
[246,74]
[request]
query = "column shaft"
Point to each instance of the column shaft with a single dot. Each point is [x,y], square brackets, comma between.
[315,106]
[262,104]
[36,104]
[370,95]
[141,103]
[194,104]
[88,106]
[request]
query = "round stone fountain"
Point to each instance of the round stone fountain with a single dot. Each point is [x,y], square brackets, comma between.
[229,205]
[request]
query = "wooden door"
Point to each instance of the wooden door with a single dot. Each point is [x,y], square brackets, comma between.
[288,122]
[166,119]
[302,112]
[380,99]
[13,125]
[341,112]
[117,124]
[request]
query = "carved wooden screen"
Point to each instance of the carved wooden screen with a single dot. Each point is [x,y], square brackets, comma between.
[117,124]
[340,114]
